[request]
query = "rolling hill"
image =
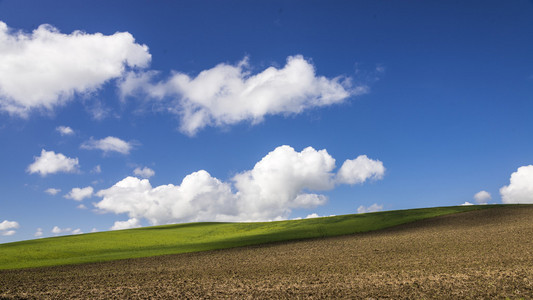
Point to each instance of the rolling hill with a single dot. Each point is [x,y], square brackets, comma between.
[478,254]
[194,237]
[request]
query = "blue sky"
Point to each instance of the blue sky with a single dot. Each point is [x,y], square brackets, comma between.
[404,105]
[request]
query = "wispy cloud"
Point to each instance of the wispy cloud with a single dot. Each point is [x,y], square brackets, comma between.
[372,208]
[52,191]
[108,144]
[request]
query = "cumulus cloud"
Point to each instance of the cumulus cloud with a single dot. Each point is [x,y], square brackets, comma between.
[46,68]
[372,208]
[359,170]
[52,191]
[482,197]
[6,225]
[64,130]
[108,144]
[144,172]
[467,203]
[49,163]
[131,223]
[198,198]
[81,206]
[228,94]
[281,181]
[520,188]
[79,194]
[6,228]
[38,233]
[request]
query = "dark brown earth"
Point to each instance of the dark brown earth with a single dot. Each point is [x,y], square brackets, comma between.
[480,254]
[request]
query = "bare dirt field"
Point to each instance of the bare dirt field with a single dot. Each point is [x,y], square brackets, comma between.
[479,254]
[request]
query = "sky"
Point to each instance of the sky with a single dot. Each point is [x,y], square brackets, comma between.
[120,114]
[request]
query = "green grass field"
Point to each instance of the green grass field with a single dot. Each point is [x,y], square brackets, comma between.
[193,237]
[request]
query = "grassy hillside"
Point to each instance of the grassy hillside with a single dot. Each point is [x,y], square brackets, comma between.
[193,237]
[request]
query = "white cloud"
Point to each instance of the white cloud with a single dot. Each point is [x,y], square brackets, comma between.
[312,216]
[144,172]
[38,233]
[131,223]
[65,130]
[57,230]
[482,197]
[9,233]
[52,191]
[467,203]
[278,182]
[94,230]
[49,163]
[199,197]
[372,208]
[520,188]
[79,194]
[45,68]
[81,206]
[281,181]
[360,169]
[228,94]
[108,144]
[6,225]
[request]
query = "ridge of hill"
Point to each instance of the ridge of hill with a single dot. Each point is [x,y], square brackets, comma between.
[195,237]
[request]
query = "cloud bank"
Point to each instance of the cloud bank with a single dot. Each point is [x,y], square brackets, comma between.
[45,68]
[520,188]
[283,180]
[50,163]
[229,94]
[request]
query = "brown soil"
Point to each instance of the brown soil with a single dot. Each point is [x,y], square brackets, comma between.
[480,254]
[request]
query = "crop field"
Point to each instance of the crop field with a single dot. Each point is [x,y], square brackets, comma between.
[193,237]
[484,253]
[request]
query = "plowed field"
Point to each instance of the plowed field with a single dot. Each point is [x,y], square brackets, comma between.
[478,254]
